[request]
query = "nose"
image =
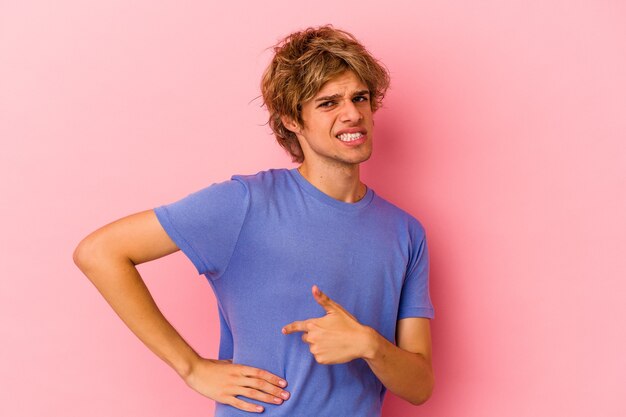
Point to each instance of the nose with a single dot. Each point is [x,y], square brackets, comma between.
[350,112]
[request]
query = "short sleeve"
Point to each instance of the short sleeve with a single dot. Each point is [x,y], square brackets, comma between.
[415,297]
[205,225]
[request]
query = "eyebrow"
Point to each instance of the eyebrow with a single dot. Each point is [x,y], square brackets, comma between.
[335,96]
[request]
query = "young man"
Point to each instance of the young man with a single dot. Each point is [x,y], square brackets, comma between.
[322,285]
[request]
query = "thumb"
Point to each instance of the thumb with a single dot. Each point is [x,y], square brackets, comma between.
[322,299]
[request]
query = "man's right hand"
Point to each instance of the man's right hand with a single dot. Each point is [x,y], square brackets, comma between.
[222,381]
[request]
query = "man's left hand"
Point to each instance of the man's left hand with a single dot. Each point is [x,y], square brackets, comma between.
[335,338]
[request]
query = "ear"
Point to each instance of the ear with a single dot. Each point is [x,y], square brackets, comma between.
[290,124]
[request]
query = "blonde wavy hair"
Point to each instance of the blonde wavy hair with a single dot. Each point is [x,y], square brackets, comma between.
[305,60]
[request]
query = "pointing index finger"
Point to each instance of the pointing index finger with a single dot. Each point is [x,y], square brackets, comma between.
[296,326]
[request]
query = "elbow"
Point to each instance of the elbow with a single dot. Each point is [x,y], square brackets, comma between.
[95,252]
[424,393]
[80,255]
[88,253]
[420,400]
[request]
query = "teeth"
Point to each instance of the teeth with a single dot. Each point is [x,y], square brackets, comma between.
[349,137]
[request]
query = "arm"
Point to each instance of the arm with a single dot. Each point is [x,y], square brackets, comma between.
[338,338]
[108,257]
[405,369]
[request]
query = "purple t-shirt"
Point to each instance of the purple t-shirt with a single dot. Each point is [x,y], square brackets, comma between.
[263,240]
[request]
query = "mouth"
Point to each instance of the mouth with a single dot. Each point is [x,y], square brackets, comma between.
[351,137]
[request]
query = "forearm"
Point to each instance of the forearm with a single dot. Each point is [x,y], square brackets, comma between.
[119,282]
[406,374]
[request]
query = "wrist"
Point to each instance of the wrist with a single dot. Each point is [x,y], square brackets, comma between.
[186,365]
[371,343]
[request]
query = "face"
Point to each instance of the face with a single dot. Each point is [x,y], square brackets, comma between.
[338,124]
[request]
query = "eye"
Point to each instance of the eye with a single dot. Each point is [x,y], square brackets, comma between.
[360,99]
[326,104]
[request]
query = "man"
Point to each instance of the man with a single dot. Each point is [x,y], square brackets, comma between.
[322,285]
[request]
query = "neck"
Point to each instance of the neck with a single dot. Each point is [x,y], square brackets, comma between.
[341,183]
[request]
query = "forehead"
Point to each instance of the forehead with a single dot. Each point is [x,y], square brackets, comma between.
[347,81]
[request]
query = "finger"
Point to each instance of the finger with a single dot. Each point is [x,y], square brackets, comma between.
[296,326]
[322,299]
[244,405]
[328,303]
[264,391]
[257,395]
[250,371]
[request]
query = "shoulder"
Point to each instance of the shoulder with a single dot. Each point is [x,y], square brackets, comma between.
[400,217]
[267,175]
[264,181]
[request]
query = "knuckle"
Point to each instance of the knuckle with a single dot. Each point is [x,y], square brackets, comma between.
[243,405]
[262,396]
[266,397]
[266,387]
[226,391]
[276,392]
[321,360]
[252,383]
[232,401]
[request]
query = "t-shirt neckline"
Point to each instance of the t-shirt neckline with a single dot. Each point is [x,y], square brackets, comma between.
[325,198]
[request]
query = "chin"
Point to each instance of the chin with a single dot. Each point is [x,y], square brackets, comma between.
[360,160]
[366,156]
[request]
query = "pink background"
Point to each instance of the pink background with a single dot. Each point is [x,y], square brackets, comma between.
[504,132]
